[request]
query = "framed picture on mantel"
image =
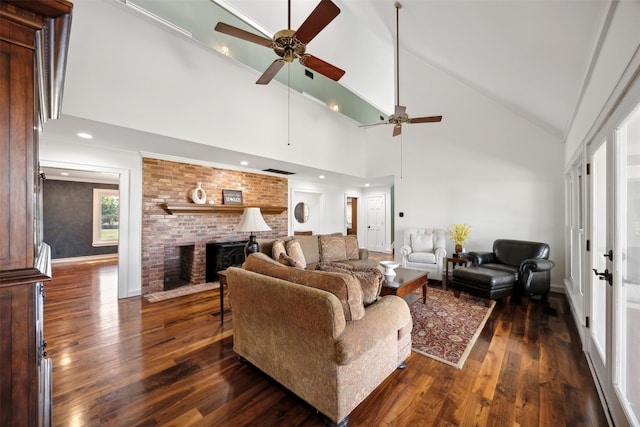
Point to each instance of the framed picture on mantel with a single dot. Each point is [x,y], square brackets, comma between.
[231,197]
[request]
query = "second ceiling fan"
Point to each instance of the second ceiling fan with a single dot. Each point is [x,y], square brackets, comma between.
[290,44]
[400,115]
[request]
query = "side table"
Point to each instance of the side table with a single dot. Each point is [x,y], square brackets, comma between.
[222,275]
[453,261]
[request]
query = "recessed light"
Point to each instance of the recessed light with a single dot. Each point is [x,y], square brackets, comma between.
[366,185]
[65,173]
[244,163]
[224,50]
[84,135]
[321,177]
[335,107]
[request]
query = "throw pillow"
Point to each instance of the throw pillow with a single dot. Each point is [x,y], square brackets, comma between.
[277,249]
[370,278]
[351,243]
[287,260]
[294,250]
[332,248]
[422,242]
[345,288]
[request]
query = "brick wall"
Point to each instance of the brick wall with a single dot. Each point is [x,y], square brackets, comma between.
[172,182]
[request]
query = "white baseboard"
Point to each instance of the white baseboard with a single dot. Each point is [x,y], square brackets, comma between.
[84,259]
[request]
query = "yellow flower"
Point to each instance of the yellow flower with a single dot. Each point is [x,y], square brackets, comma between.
[459,233]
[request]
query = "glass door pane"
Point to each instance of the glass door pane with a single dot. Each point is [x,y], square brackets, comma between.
[599,232]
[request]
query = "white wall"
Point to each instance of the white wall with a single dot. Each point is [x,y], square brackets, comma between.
[482,165]
[614,67]
[315,203]
[125,71]
[332,218]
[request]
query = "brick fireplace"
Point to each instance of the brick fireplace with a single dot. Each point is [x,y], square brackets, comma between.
[171,242]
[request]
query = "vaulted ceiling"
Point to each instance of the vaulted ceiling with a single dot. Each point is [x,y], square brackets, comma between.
[532,56]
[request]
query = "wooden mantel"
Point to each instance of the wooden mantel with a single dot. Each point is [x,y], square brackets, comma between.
[193,209]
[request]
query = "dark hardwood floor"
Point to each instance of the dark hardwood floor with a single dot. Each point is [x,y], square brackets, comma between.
[171,363]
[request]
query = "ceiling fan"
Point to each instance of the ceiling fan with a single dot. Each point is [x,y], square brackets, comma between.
[290,44]
[400,115]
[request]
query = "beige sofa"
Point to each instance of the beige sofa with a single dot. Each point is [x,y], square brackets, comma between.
[323,247]
[310,331]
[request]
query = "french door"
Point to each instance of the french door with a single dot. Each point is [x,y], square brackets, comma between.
[599,294]
[626,343]
[613,295]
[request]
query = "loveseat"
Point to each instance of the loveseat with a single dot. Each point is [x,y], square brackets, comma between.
[527,264]
[311,332]
[324,248]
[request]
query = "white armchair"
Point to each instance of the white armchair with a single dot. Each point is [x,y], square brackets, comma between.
[424,249]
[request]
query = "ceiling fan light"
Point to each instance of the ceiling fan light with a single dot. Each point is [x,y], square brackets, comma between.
[288,55]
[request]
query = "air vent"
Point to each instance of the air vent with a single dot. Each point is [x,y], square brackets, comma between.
[278,171]
[308,73]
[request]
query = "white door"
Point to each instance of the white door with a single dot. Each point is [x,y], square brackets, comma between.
[613,293]
[598,290]
[626,271]
[375,223]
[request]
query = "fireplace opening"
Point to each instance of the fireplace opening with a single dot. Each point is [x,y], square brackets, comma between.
[178,266]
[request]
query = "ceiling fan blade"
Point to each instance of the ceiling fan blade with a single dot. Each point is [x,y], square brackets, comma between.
[322,67]
[242,34]
[397,129]
[270,72]
[324,13]
[431,119]
[400,111]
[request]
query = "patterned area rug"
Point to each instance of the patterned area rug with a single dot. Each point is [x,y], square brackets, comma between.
[446,327]
[181,291]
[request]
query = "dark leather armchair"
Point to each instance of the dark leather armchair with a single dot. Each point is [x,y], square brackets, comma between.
[528,261]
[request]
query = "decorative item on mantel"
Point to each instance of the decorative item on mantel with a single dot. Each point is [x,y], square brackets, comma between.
[198,195]
[252,221]
[231,197]
[458,234]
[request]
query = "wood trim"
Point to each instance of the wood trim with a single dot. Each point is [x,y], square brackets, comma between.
[39,273]
[48,8]
[193,209]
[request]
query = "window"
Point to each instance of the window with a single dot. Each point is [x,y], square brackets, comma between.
[106,214]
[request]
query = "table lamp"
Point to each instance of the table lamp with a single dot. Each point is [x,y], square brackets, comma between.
[252,221]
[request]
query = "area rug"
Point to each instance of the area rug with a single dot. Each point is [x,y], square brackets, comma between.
[446,327]
[181,291]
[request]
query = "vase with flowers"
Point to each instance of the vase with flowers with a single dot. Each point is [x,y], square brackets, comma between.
[458,234]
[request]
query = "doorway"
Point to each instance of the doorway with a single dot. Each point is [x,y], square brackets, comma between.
[351,215]
[124,245]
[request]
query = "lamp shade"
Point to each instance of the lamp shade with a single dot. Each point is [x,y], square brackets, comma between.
[252,221]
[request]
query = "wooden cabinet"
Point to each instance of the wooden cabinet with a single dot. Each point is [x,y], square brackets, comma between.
[33,47]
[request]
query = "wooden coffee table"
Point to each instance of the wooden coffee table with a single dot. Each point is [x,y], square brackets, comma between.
[404,282]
